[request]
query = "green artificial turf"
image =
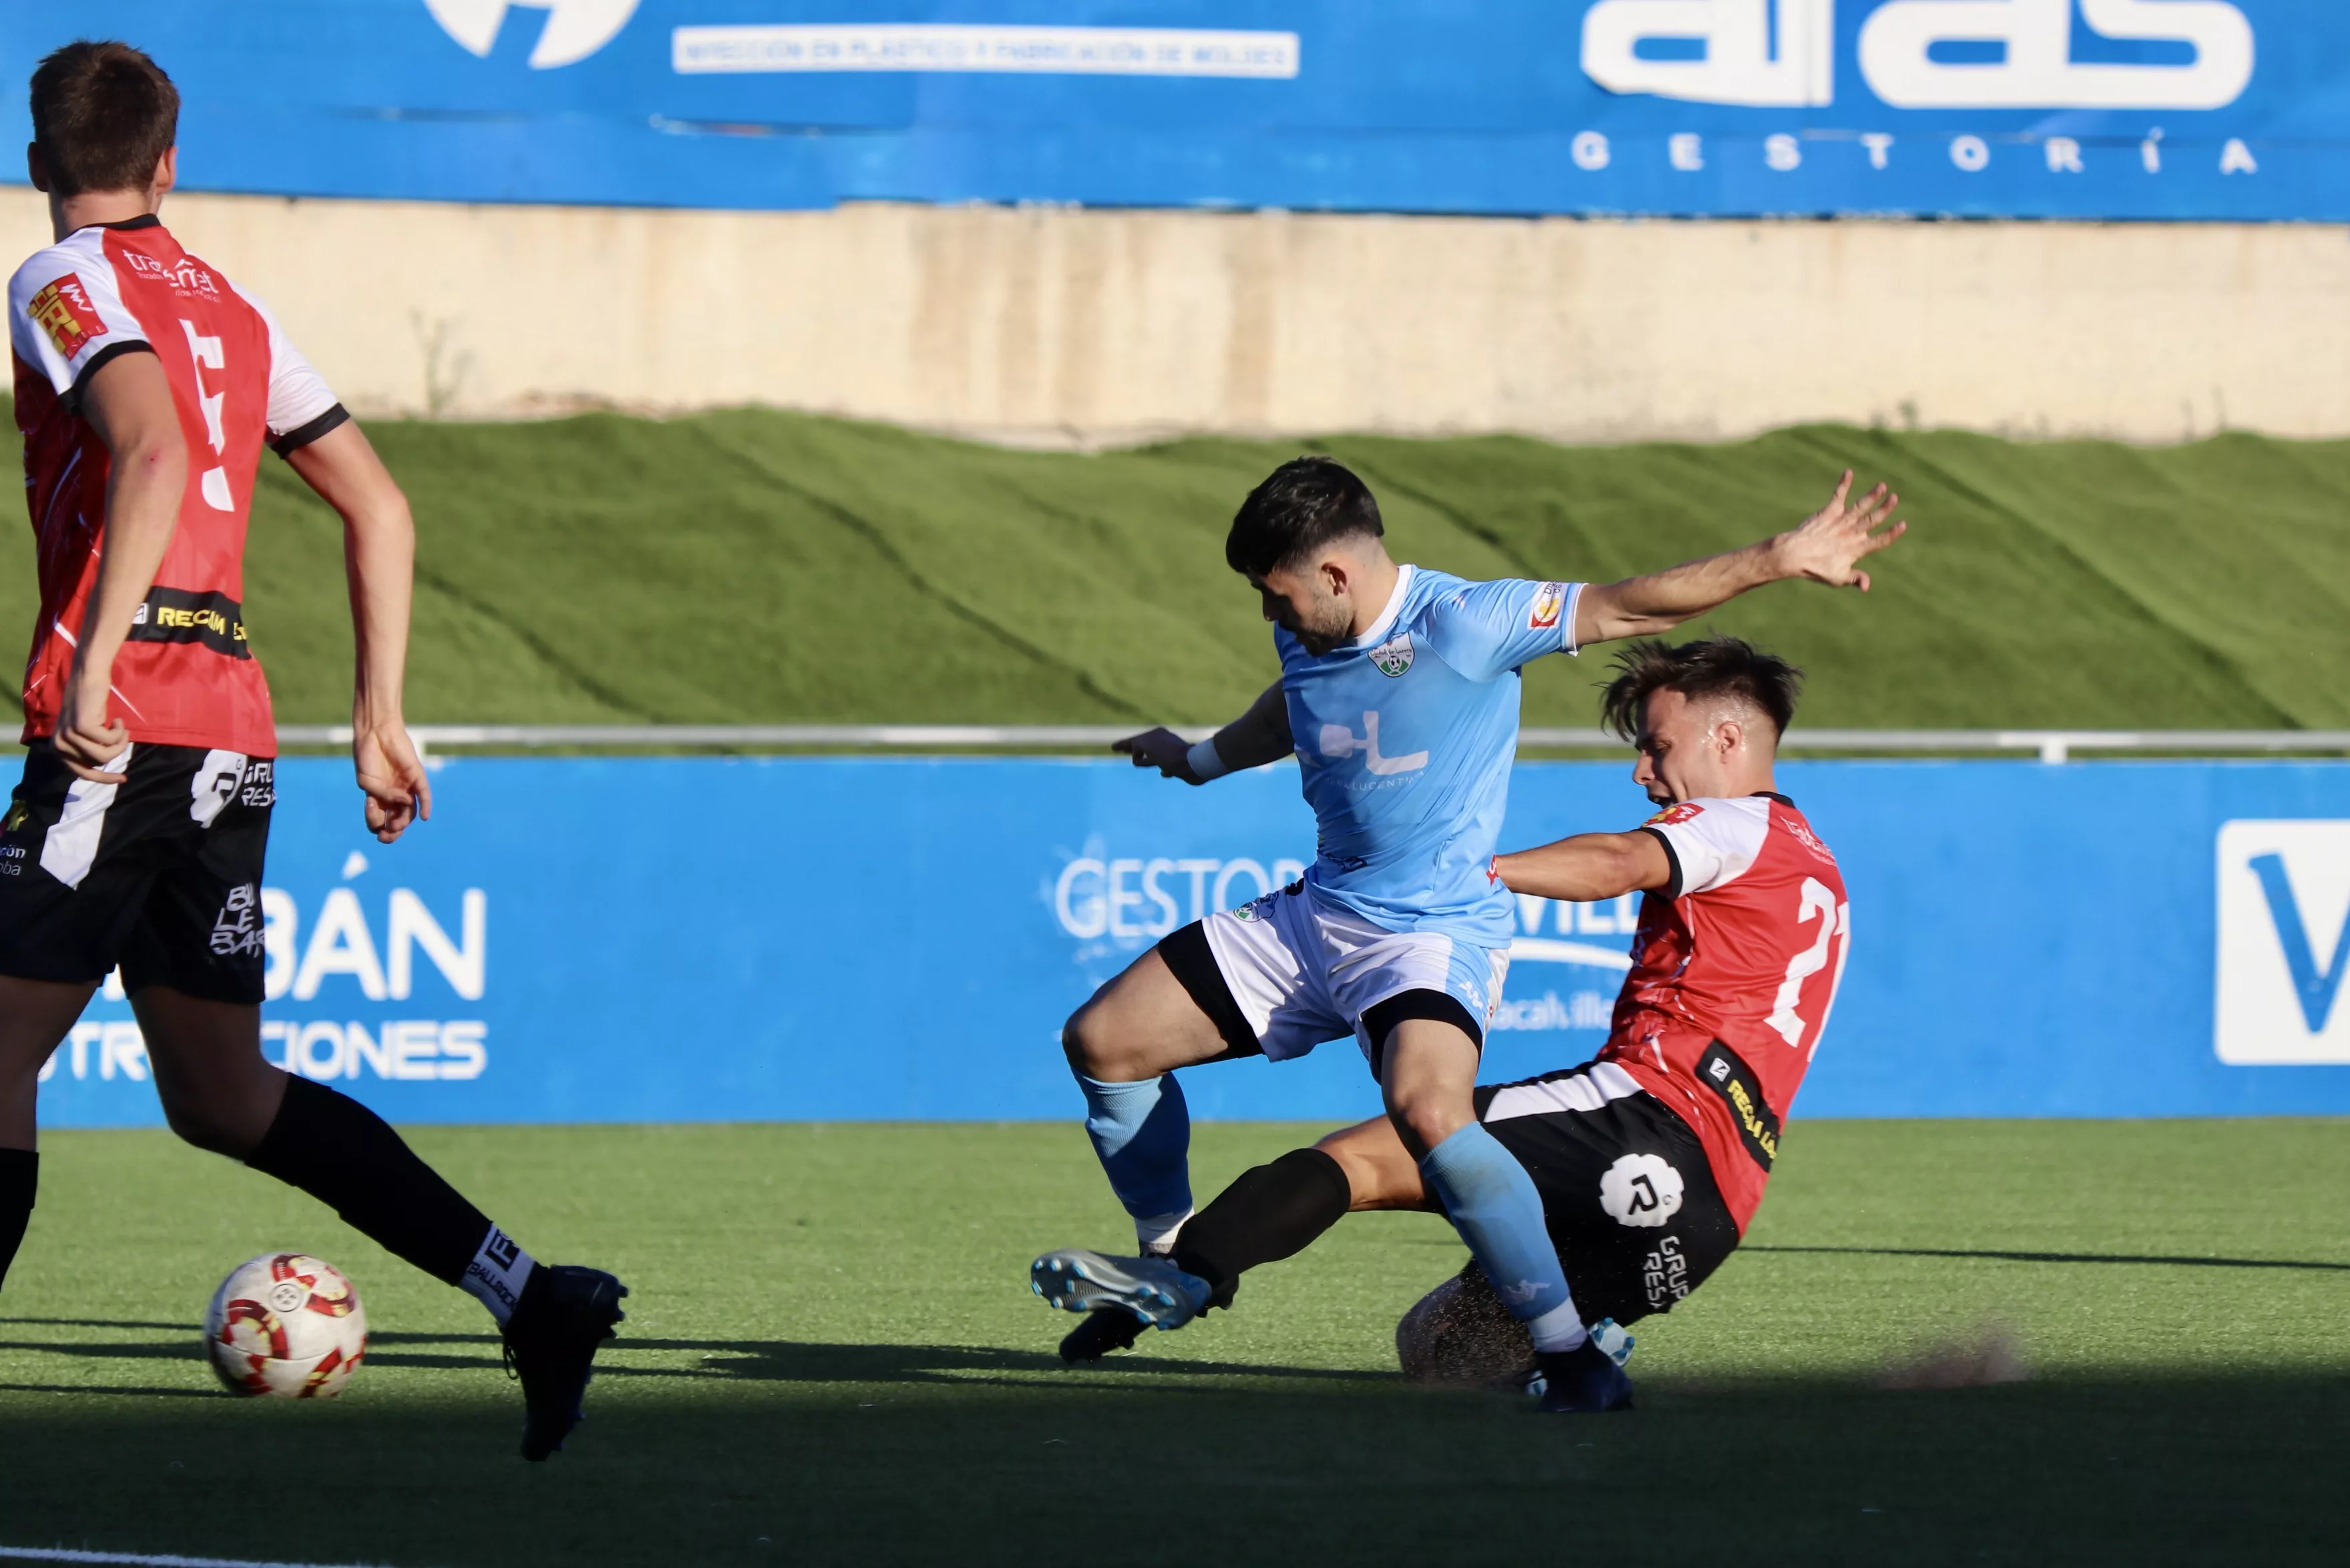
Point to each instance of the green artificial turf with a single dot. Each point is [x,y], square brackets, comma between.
[760,567]
[832,1357]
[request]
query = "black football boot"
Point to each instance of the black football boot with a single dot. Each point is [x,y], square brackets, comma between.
[564,1314]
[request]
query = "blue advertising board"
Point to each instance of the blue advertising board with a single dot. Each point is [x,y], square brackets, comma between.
[2079,109]
[695,939]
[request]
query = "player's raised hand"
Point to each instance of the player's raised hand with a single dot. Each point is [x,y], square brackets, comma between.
[397,789]
[1162,749]
[1828,547]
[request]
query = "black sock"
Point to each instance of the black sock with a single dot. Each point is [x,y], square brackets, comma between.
[1266,1215]
[20,1178]
[346,1156]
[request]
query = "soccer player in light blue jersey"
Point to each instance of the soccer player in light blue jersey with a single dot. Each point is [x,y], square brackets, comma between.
[1399,694]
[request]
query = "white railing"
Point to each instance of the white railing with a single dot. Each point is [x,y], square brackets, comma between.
[2050,746]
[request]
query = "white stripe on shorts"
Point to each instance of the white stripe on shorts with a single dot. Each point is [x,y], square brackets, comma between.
[1587,1090]
[69,849]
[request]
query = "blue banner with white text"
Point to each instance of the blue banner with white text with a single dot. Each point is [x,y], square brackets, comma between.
[708,939]
[2052,108]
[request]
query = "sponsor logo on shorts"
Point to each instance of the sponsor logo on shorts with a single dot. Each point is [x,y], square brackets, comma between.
[63,311]
[1393,657]
[212,785]
[1721,1070]
[1664,1274]
[236,929]
[1642,1190]
[1550,601]
[260,783]
[18,815]
[177,615]
[12,859]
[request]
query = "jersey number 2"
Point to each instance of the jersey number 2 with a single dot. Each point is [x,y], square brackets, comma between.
[1836,920]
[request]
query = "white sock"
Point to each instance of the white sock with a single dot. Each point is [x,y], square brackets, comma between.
[1156,1235]
[1559,1329]
[496,1275]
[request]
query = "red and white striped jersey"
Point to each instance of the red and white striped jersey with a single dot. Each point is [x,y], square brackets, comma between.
[1734,969]
[187,676]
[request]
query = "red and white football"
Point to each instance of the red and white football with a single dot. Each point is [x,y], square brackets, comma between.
[285,1325]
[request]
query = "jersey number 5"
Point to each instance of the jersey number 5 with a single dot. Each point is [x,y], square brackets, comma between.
[1836,922]
[206,353]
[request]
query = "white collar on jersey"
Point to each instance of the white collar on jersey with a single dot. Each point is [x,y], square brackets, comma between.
[1381,627]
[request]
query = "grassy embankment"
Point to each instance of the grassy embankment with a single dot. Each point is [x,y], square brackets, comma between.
[764,567]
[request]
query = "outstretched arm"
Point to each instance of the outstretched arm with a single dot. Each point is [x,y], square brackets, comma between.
[1257,737]
[1825,549]
[379,559]
[1588,868]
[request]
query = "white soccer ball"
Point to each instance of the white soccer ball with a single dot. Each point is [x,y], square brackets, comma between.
[286,1327]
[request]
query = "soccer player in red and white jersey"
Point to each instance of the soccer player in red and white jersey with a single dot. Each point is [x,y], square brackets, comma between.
[1650,1159]
[147,385]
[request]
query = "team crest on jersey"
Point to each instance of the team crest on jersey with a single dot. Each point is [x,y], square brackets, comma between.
[1393,657]
[63,311]
[1550,602]
[1689,810]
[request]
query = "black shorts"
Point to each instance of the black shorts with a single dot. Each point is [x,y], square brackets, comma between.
[1629,1198]
[160,873]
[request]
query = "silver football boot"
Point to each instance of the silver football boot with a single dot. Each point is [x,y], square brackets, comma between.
[1154,1290]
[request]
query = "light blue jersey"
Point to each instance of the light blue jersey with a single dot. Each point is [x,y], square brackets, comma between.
[1406,737]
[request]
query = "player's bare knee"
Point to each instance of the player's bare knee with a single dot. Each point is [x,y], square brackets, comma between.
[1369,1186]
[220,1118]
[1424,1116]
[1080,1041]
[1102,1044]
[204,1125]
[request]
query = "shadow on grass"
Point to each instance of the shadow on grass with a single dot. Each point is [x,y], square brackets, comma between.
[2141,1471]
[79,1390]
[723,1360]
[102,1322]
[2001,1257]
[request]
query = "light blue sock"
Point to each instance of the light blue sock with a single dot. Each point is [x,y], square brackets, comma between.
[1142,1134]
[1492,1202]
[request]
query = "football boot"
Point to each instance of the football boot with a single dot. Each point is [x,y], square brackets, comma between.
[1151,1289]
[566,1313]
[1584,1381]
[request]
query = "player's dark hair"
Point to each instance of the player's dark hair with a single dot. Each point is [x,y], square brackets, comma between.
[1711,666]
[103,115]
[1308,502]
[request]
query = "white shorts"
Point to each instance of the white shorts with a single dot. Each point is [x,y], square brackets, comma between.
[1300,970]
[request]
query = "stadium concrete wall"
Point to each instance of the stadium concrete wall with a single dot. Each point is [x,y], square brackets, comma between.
[858,939]
[1069,326]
